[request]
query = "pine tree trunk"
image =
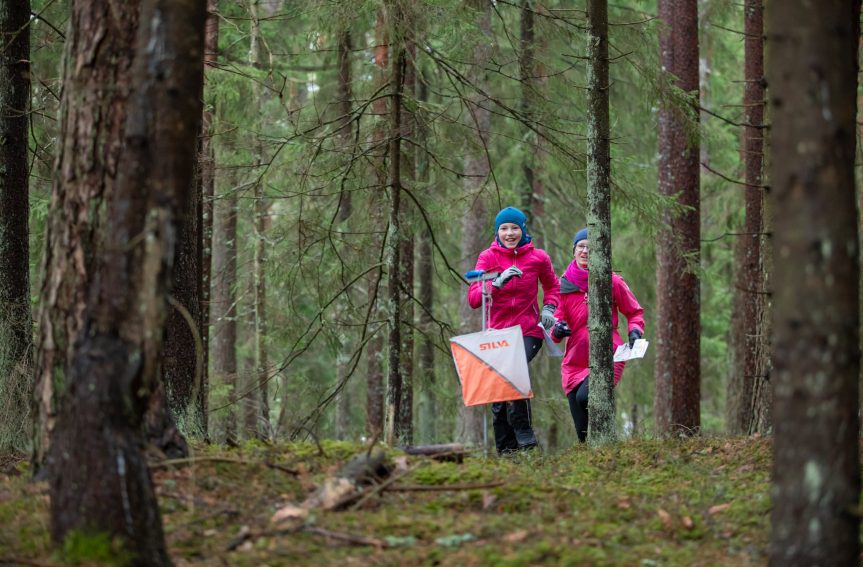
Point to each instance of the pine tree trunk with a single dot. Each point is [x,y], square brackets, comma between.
[99,478]
[816,466]
[394,248]
[427,404]
[344,106]
[16,321]
[207,175]
[375,348]
[404,430]
[533,87]
[474,235]
[678,333]
[92,123]
[746,326]
[224,307]
[601,393]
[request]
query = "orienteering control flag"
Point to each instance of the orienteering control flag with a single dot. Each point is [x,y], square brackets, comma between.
[491,366]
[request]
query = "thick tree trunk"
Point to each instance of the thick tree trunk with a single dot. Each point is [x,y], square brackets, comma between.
[474,235]
[16,323]
[601,393]
[816,466]
[678,333]
[92,123]
[745,379]
[99,476]
[374,350]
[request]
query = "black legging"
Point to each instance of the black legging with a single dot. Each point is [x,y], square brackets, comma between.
[511,420]
[578,408]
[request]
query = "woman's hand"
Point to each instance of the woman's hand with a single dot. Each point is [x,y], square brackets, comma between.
[634,335]
[547,316]
[561,330]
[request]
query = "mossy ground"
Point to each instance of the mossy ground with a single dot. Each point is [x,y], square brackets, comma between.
[700,501]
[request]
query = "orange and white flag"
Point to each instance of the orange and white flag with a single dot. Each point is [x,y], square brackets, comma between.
[491,366]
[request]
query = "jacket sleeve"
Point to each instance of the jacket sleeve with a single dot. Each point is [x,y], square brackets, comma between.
[628,305]
[474,292]
[550,283]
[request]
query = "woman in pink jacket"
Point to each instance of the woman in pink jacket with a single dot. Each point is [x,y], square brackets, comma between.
[572,322]
[512,301]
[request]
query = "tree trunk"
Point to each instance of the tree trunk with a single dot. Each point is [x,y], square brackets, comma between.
[601,392]
[262,364]
[92,122]
[374,350]
[678,333]
[404,418]
[344,106]
[224,307]
[207,176]
[473,223]
[394,248]
[99,477]
[427,405]
[745,378]
[261,214]
[16,322]
[816,466]
[533,86]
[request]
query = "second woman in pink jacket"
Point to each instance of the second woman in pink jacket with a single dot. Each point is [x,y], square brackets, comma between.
[512,297]
[572,315]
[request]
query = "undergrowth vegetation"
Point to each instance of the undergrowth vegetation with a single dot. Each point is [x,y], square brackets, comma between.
[642,502]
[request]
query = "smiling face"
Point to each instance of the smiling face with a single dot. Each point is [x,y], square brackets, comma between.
[509,234]
[580,252]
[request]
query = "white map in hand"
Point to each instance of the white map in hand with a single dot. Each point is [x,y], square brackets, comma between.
[624,353]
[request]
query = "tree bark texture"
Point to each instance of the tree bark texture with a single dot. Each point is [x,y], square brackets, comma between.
[678,334]
[474,222]
[749,301]
[375,348]
[601,393]
[99,478]
[533,88]
[97,78]
[262,364]
[224,306]
[16,321]
[427,404]
[816,468]
[404,429]
[344,105]
[394,249]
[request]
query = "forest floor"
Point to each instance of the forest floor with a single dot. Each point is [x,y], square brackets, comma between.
[702,501]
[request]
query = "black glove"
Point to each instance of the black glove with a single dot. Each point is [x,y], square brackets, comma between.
[561,330]
[634,335]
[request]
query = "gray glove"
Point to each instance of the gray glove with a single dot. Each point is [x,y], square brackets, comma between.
[547,316]
[505,276]
[634,335]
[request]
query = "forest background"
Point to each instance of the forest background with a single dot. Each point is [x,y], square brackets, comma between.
[288,157]
[350,157]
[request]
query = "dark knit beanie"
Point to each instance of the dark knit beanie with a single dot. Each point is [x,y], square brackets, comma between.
[510,214]
[579,236]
